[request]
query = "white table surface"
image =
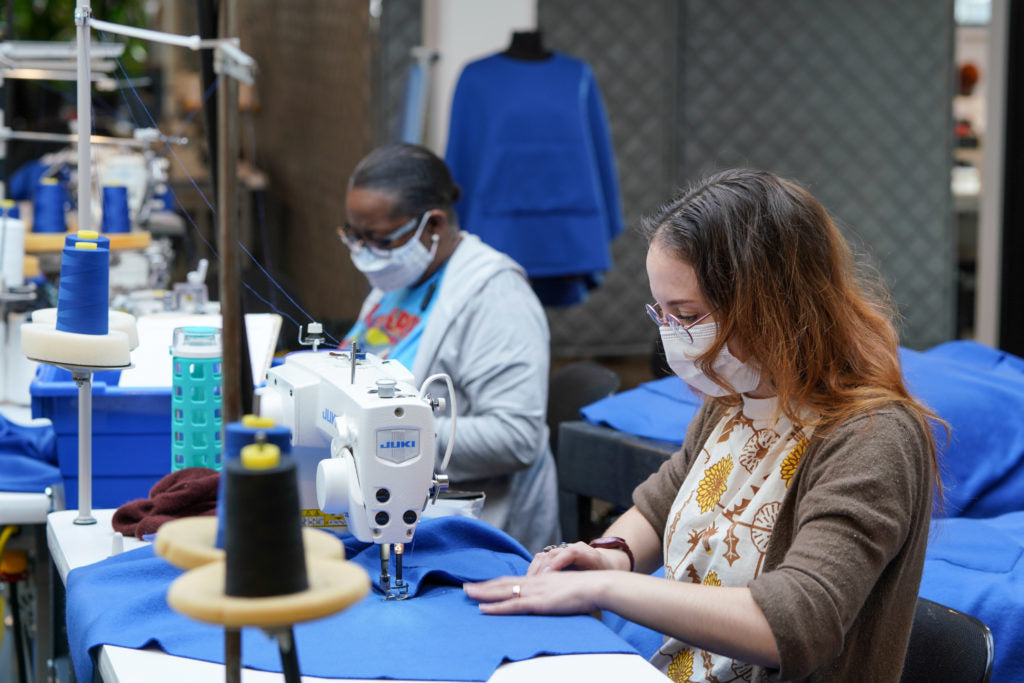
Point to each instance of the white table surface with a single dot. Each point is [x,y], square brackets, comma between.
[74,546]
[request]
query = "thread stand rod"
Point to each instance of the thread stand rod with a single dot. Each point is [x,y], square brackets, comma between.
[289,655]
[84,382]
[84,112]
[232,655]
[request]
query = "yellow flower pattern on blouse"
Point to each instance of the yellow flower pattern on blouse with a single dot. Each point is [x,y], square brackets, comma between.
[720,525]
[789,464]
[681,668]
[713,485]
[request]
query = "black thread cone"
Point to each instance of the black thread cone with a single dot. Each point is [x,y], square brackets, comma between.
[263,534]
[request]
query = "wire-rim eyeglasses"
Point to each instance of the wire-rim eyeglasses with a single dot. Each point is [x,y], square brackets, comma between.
[661,320]
[354,239]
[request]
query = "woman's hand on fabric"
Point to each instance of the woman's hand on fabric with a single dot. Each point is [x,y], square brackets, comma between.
[548,593]
[572,556]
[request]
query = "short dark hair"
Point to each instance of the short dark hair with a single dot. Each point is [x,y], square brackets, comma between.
[416,177]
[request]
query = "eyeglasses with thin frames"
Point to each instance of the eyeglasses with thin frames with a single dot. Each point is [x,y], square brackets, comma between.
[357,240]
[660,319]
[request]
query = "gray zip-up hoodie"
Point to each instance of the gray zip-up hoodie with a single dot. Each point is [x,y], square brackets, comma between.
[488,332]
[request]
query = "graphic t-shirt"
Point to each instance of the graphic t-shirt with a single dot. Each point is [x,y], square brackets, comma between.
[393,328]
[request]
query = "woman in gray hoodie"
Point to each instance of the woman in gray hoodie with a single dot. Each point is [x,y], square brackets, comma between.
[442,301]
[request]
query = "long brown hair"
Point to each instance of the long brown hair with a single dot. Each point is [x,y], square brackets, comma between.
[783,283]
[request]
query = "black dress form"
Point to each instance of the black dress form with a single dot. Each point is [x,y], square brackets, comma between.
[527,45]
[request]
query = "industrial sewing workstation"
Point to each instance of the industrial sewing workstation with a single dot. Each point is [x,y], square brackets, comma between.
[203,478]
[333,445]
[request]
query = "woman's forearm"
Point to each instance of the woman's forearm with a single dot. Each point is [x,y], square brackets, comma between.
[644,541]
[720,619]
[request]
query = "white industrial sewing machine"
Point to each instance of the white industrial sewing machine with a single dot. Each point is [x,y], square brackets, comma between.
[363,436]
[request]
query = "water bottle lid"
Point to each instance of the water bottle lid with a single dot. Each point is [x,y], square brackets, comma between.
[196,341]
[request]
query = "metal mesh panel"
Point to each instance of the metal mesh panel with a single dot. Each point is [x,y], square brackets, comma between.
[631,47]
[853,99]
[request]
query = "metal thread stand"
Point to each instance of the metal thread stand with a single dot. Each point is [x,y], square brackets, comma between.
[84,381]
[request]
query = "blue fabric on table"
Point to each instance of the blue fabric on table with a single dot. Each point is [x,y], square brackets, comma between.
[657,410]
[28,457]
[976,566]
[979,392]
[122,601]
[24,474]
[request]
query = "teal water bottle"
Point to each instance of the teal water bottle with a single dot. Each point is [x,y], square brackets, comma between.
[196,398]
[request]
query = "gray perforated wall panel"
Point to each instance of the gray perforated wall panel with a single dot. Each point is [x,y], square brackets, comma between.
[852,99]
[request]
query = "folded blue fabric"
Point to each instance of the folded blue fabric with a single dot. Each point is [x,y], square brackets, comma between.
[979,392]
[24,474]
[28,457]
[976,566]
[122,601]
[658,410]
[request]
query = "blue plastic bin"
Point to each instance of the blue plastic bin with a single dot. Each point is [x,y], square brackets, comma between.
[131,435]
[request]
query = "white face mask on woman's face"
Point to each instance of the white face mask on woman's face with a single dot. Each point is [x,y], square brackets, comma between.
[401,266]
[681,353]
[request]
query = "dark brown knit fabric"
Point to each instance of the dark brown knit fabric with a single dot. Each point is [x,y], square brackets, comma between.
[186,493]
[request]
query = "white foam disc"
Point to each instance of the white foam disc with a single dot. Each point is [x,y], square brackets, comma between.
[45,343]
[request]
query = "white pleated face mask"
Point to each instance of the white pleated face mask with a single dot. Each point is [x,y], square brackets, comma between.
[399,267]
[681,354]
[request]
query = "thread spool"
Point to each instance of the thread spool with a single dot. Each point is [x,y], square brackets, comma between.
[238,435]
[83,300]
[196,398]
[49,206]
[13,240]
[263,538]
[115,210]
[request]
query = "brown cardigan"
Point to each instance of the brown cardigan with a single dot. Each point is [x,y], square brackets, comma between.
[843,566]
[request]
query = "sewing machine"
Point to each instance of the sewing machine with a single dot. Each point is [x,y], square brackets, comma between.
[363,436]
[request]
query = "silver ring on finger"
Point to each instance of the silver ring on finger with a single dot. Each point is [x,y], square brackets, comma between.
[517,591]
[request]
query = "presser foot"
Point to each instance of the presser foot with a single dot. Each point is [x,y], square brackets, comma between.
[400,591]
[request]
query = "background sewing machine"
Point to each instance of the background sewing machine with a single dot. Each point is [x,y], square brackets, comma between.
[363,437]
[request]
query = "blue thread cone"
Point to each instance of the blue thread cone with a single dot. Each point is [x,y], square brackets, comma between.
[48,211]
[83,299]
[115,210]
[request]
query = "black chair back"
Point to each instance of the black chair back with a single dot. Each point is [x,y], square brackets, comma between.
[947,645]
[571,388]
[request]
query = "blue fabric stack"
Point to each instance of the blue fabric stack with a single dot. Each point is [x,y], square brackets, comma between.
[28,457]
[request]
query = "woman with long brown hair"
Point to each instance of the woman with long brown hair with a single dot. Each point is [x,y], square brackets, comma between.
[793,522]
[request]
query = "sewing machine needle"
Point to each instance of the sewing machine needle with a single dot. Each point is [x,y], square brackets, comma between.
[385,562]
